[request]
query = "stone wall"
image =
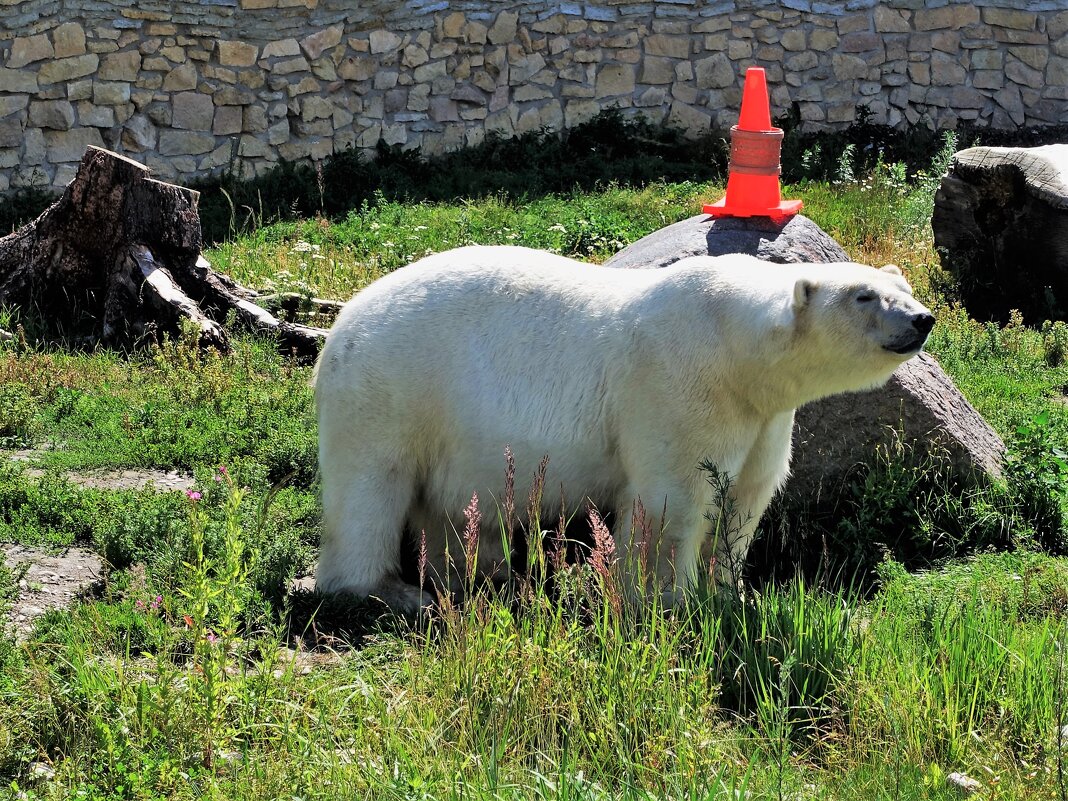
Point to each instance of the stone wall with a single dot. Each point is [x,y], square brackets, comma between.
[191,88]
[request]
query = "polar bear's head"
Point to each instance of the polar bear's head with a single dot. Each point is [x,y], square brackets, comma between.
[864,320]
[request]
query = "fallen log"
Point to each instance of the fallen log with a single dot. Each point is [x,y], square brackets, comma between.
[117,261]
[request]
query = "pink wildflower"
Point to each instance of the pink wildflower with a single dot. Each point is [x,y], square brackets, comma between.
[193,495]
[604,547]
[210,637]
[473,518]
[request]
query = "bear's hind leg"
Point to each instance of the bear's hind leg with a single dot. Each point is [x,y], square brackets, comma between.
[364,509]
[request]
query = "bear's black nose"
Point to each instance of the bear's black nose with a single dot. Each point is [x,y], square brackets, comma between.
[923,323]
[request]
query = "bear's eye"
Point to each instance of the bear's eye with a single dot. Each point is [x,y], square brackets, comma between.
[866,297]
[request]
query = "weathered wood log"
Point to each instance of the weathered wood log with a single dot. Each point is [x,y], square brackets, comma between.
[1000,223]
[117,261]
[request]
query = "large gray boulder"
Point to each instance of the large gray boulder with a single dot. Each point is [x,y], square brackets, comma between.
[1000,224]
[794,240]
[835,436]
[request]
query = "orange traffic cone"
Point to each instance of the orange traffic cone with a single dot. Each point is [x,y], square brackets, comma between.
[753,180]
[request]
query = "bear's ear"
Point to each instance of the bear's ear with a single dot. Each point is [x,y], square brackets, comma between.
[893,269]
[803,291]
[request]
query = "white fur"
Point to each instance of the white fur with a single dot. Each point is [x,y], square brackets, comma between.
[626,379]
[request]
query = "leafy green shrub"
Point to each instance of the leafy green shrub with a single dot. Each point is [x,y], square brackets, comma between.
[916,513]
[1055,342]
[19,424]
[1037,469]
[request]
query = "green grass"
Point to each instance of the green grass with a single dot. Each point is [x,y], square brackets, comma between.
[800,691]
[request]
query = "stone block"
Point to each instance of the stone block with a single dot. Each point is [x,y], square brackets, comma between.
[67,69]
[253,119]
[822,40]
[57,115]
[613,80]
[1010,18]
[290,66]
[988,59]
[429,72]
[185,143]
[890,20]
[319,42]
[476,33]
[714,72]
[414,56]
[282,48]
[952,17]
[95,116]
[385,79]
[793,40]
[692,121]
[1057,71]
[1033,57]
[946,71]
[11,136]
[383,41]
[452,26]
[801,61]
[138,134]
[233,96]
[122,66]
[278,133]
[657,70]
[848,67]
[315,108]
[70,145]
[34,148]
[303,87]
[28,49]
[991,79]
[16,81]
[860,42]
[356,68]
[181,79]
[504,28]
[109,93]
[1018,72]
[523,69]
[237,54]
[666,45]
[227,120]
[68,40]
[192,111]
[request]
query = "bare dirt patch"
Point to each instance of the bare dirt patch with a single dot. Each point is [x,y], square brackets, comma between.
[51,580]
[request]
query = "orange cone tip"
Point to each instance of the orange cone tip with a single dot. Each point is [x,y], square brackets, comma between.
[756,146]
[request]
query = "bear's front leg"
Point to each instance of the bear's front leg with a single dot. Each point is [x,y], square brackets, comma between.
[658,540]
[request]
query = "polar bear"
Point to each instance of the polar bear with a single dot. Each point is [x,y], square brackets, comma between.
[627,379]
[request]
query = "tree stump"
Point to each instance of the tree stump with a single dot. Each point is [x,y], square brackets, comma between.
[116,260]
[1000,223]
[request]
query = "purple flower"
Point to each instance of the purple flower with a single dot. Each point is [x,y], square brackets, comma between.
[210,637]
[193,495]
[156,602]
